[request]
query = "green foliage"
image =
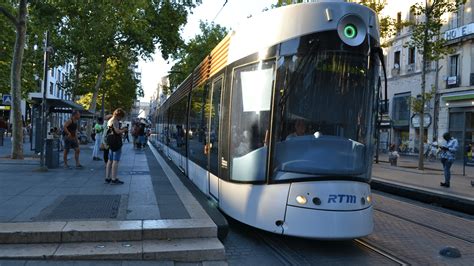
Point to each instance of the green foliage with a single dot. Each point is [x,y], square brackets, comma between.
[417,104]
[86,32]
[7,40]
[426,33]
[189,57]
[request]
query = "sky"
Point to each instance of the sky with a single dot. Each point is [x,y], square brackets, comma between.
[229,16]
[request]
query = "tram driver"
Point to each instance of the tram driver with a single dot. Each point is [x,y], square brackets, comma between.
[300,129]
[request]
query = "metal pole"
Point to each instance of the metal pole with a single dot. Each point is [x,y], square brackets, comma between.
[102,112]
[43,103]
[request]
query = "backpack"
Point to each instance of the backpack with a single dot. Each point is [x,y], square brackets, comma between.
[114,141]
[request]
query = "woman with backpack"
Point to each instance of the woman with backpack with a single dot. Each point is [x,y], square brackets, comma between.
[114,143]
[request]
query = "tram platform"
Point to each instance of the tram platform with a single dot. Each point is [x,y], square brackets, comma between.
[74,214]
[407,181]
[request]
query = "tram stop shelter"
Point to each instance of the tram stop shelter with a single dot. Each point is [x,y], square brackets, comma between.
[54,106]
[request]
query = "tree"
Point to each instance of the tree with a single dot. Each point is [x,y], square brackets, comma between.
[19,23]
[426,38]
[388,25]
[189,57]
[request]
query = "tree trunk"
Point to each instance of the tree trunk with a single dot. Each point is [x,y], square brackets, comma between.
[423,85]
[93,105]
[97,86]
[17,122]
[77,76]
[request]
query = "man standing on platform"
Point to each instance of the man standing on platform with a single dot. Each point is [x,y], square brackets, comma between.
[448,155]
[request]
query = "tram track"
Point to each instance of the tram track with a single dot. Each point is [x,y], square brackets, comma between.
[426,226]
[381,252]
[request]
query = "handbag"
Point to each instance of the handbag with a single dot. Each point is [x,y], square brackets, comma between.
[114,141]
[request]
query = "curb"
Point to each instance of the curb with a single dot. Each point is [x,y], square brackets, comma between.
[456,203]
[209,207]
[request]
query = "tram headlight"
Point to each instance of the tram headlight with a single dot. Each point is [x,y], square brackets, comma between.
[301,200]
[369,199]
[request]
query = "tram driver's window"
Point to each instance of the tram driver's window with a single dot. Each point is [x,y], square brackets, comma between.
[251,101]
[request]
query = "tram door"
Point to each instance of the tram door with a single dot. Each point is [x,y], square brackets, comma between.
[214,99]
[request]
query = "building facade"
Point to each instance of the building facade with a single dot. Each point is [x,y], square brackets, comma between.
[451,78]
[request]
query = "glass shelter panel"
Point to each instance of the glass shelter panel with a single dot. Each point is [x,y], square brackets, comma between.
[251,102]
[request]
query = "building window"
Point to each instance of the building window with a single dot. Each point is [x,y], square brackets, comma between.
[453,65]
[411,55]
[59,75]
[396,60]
[412,15]
[51,88]
[401,109]
[456,19]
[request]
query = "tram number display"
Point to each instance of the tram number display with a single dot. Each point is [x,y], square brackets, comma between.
[341,198]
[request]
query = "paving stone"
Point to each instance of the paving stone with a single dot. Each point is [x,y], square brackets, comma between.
[131,250]
[197,249]
[90,231]
[37,232]
[27,251]
[179,228]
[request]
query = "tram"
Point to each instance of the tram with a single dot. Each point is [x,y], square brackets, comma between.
[276,124]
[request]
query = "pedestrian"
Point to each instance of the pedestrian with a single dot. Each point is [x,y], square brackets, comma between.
[393,155]
[448,155]
[70,139]
[114,155]
[103,144]
[98,129]
[125,136]
[135,130]
[141,136]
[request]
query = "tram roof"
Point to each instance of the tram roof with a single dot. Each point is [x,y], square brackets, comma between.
[270,28]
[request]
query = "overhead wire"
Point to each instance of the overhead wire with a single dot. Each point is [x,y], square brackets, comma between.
[225,3]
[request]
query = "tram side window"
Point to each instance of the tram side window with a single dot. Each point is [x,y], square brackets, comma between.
[197,126]
[178,126]
[164,127]
[251,101]
[214,125]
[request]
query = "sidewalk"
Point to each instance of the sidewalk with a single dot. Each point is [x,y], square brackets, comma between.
[406,180]
[5,150]
[152,204]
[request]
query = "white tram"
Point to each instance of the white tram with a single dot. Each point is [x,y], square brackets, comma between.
[277,123]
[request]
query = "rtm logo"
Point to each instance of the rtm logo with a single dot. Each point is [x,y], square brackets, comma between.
[349,198]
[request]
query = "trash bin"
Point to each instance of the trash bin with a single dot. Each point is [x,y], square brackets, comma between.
[2,133]
[52,153]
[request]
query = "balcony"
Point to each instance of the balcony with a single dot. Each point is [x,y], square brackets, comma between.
[453,82]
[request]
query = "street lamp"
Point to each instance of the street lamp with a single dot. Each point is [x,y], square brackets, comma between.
[47,49]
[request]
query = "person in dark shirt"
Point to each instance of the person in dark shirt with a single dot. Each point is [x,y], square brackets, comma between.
[70,139]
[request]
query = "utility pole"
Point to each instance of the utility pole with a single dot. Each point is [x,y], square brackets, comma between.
[102,112]
[43,103]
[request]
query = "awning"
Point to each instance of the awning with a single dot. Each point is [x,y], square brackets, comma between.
[458,97]
[62,106]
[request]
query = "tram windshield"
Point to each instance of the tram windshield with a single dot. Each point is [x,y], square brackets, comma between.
[325,113]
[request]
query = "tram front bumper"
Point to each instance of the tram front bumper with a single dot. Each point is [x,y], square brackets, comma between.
[324,224]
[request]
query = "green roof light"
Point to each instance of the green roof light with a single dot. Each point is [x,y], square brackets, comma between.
[350,31]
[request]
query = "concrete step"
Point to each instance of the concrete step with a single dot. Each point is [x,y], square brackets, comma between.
[97,231]
[190,249]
